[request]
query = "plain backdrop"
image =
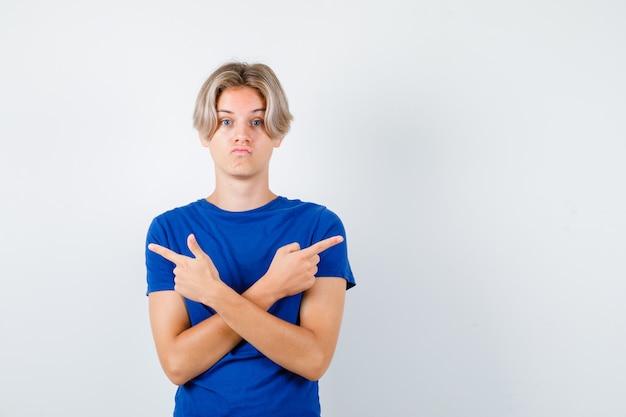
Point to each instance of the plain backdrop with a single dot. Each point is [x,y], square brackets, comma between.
[476,152]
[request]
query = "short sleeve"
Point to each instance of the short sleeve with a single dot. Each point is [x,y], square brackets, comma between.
[334,260]
[160,271]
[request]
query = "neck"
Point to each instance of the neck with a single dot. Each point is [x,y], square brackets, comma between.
[240,195]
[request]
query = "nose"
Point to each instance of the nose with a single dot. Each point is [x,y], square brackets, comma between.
[242,134]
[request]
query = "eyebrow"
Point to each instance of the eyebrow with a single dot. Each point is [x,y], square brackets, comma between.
[228,111]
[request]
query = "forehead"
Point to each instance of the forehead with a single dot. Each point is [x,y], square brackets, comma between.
[240,98]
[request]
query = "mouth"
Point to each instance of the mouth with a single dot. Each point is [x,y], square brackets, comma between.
[241,150]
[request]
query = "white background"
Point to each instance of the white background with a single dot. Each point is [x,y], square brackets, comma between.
[476,152]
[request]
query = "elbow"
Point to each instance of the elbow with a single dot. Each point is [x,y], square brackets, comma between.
[175,372]
[316,367]
[314,373]
[313,376]
[177,379]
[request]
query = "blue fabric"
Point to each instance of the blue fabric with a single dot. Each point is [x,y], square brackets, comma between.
[242,246]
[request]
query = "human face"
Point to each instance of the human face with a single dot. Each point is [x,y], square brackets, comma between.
[240,146]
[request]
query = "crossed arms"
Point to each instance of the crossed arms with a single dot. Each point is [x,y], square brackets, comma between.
[306,349]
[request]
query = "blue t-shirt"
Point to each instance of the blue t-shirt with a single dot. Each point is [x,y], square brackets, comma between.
[242,246]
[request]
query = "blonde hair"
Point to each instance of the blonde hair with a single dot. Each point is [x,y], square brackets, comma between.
[241,74]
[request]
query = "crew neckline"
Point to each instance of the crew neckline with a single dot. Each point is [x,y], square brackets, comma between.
[210,206]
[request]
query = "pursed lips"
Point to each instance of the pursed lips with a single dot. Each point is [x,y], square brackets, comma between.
[241,150]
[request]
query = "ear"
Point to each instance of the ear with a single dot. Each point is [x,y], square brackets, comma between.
[277,142]
[204,140]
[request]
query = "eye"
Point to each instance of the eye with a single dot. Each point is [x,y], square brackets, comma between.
[226,122]
[257,122]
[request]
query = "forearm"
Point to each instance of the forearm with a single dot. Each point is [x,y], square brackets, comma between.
[196,349]
[291,346]
[306,349]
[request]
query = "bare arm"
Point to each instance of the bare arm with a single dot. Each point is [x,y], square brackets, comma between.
[185,351]
[305,349]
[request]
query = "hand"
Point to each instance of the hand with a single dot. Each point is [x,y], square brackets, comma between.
[293,270]
[193,277]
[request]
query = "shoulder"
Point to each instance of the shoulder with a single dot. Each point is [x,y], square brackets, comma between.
[325,220]
[174,219]
[306,207]
[179,211]
[191,210]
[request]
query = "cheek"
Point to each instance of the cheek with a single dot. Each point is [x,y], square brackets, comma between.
[214,149]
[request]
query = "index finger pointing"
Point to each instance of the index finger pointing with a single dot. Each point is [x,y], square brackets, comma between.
[322,245]
[168,254]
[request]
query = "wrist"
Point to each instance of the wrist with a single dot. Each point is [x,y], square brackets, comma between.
[213,294]
[261,294]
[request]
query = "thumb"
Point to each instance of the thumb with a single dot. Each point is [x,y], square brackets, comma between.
[193,246]
[289,248]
